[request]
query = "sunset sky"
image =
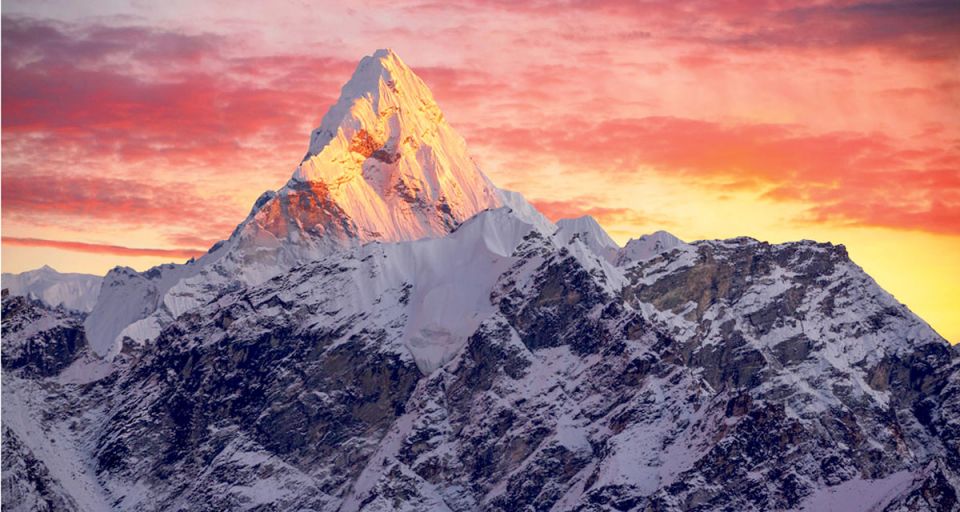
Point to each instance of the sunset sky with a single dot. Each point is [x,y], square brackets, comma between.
[139,132]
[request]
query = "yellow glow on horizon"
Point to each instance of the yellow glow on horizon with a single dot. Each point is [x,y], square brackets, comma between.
[20,259]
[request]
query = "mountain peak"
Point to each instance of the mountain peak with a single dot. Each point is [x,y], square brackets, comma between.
[73,291]
[587,224]
[387,59]
[591,233]
[382,84]
[383,165]
[648,246]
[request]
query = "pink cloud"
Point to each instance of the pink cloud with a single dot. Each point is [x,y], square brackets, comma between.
[915,29]
[174,98]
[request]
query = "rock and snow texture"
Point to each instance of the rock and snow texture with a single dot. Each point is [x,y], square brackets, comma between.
[383,166]
[384,378]
[73,291]
[648,246]
[590,233]
[131,302]
[549,383]
[472,357]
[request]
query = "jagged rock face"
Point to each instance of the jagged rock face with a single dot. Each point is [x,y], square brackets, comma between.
[823,359]
[311,400]
[39,341]
[27,484]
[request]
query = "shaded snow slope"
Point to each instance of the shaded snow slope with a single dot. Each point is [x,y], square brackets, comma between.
[72,291]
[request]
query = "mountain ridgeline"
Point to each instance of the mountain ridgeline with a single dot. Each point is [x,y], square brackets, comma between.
[391,331]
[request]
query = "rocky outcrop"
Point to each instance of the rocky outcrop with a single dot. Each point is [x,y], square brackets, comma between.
[27,484]
[39,341]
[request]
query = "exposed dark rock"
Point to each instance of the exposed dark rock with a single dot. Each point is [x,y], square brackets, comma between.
[27,484]
[40,342]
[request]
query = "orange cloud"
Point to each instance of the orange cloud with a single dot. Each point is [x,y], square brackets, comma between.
[857,178]
[567,209]
[118,250]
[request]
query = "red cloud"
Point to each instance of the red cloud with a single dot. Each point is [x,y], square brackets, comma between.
[82,102]
[102,248]
[73,200]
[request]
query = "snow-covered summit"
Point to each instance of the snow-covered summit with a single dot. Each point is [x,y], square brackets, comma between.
[383,165]
[73,291]
[382,69]
[589,231]
[648,246]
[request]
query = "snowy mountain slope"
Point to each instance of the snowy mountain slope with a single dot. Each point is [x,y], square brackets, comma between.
[568,388]
[596,239]
[40,341]
[73,291]
[27,483]
[128,296]
[384,165]
[800,334]
[663,423]
[46,465]
[525,211]
[401,310]
[497,363]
